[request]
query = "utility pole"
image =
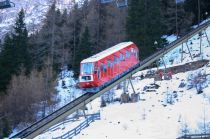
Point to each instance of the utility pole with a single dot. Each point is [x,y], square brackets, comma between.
[199,13]
[176,21]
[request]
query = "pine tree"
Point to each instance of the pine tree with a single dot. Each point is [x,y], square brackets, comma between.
[84,50]
[44,43]
[20,39]
[174,12]
[75,26]
[145,25]
[6,127]
[15,53]
[192,7]
[65,52]
[7,63]
[58,40]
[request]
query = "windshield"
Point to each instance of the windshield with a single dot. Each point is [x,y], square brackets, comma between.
[87,68]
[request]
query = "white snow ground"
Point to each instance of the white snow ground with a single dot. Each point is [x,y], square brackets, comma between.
[154,118]
[67,91]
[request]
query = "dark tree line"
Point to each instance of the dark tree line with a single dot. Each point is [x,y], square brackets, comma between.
[67,38]
[193,6]
[145,25]
[14,55]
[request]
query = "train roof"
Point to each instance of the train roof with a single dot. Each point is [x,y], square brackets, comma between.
[106,52]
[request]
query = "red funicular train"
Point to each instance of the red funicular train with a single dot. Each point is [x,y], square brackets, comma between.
[103,68]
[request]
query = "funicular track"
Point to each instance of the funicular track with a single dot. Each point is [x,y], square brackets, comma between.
[45,123]
[195,136]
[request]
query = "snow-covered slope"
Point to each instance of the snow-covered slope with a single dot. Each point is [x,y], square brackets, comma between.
[174,56]
[67,90]
[35,11]
[154,118]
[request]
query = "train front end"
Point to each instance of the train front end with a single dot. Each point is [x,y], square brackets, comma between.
[86,77]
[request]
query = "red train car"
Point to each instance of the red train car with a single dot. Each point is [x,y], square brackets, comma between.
[108,65]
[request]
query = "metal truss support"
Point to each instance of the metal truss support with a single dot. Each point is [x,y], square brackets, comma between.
[132,85]
[200,35]
[189,50]
[207,37]
[163,59]
[157,64]
[83,110]
[164,64]
[84,114]
[182,52]
[125,86]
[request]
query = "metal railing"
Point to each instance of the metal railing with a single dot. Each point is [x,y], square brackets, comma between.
[79,128]
[61,123]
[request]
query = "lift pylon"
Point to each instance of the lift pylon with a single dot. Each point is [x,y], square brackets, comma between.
[6,4]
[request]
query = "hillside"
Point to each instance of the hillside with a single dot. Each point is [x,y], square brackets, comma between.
[35,11]
[172,110]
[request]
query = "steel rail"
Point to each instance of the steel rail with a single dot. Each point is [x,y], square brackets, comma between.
[52,119]
[195,136]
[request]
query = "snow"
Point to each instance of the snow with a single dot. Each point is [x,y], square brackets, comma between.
[174,56]
[166,113]
[150,119]
[60,129]
[170,38]
[35,11]
[66,88]
[107,52]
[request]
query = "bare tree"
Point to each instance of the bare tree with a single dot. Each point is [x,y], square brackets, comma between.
[24,99]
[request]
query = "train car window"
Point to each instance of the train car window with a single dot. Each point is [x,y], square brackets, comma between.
[87,68]
[103,67]
[115,60]
[109,64]
[132,50]
[127,54]
[121,57]
[137,54]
